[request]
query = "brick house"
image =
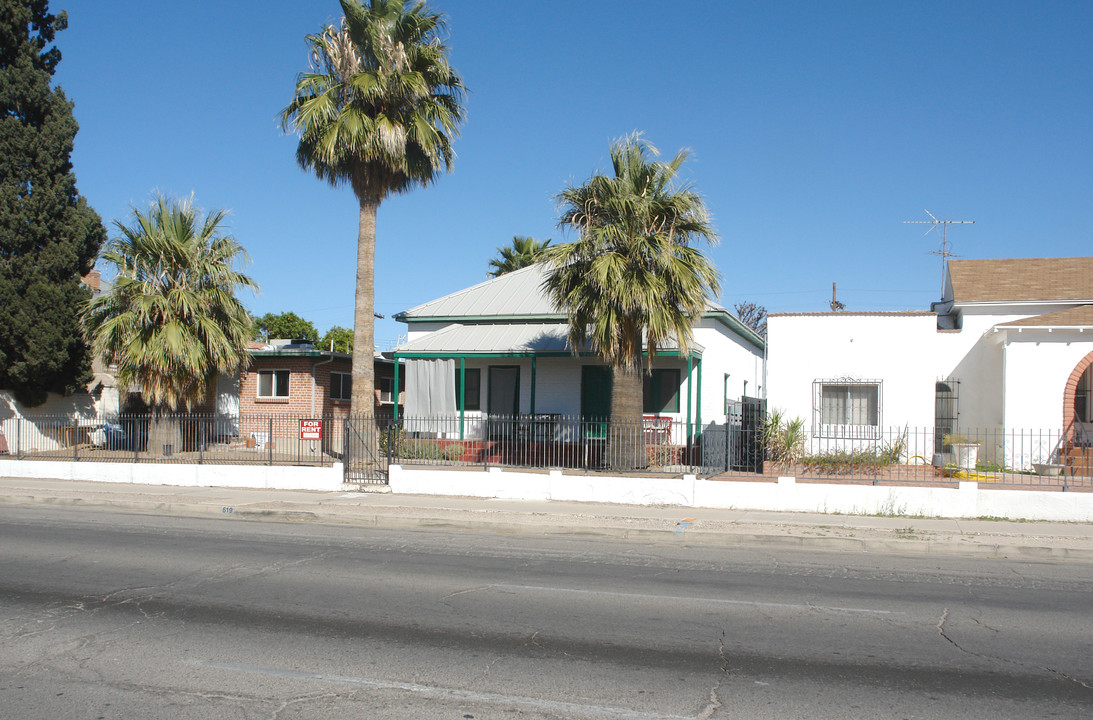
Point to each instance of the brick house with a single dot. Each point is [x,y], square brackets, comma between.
[289,380]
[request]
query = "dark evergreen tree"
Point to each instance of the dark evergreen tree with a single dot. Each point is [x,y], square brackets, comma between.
[49,237]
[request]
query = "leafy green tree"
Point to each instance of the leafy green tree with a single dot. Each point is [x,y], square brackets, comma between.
[524,251]
[632,281]
[378,112]
[49,237]
[337,338]
[286,326]
[172,321]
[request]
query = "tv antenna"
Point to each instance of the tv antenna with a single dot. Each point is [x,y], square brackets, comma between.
[945,249]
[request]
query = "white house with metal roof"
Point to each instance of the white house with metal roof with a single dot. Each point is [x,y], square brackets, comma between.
[1006,355]
[500,348]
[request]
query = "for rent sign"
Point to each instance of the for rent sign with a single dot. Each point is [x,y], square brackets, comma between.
[311,429]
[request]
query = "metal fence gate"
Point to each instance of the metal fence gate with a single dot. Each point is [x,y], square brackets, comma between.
[367,450]
[738,444]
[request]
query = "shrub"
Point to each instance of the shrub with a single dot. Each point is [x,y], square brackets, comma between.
[664,454]
[783,439]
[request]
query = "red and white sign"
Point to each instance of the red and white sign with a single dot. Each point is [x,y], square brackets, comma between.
[311,429]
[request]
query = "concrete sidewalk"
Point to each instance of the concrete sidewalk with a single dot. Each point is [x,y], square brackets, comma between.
[903,535]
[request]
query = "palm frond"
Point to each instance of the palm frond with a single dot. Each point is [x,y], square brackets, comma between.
[172,320]
[632,272]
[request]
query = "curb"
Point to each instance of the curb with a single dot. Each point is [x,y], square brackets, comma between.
[788,537]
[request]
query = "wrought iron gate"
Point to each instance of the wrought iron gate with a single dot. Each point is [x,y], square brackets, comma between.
[366,454]
[738,444]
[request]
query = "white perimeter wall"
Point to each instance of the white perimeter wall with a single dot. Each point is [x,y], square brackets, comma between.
[785,495]
[272,477]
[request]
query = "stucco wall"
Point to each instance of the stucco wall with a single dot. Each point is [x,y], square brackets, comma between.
[1017,387]
[726,354]
[900,351]
[1037,367]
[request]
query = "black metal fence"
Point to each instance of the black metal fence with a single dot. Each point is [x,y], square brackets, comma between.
[182,438]
[656,444]
[1033,458]
[744,445]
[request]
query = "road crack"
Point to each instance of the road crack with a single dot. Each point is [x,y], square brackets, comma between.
[986,656]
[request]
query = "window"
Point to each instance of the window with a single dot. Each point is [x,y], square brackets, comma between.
[472,393]
[341,386]
[385,385]
[1083,397]
[660,393]
[273,383]
[847,403]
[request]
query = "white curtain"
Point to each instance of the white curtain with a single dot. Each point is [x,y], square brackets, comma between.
[430,388]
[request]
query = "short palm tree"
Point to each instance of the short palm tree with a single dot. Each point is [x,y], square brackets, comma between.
[632,281]
[524,251]
[378,112]
[172,322]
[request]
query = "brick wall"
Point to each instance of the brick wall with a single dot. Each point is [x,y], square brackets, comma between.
[304,400]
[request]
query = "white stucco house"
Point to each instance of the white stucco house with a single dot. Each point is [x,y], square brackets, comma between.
[1005,357]
[499,348]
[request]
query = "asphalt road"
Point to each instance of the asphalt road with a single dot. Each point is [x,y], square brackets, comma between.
[120,616]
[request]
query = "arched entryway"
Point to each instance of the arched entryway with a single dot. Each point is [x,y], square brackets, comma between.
[1078,396]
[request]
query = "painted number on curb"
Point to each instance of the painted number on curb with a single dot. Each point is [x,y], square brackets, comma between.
[227,510]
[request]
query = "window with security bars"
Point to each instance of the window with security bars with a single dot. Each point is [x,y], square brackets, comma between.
[843,404]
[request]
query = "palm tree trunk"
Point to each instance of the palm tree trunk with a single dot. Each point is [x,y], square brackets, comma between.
[164,433]
[625,438]
[363,400]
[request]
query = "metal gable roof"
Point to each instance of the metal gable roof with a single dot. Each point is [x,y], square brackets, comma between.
[503,339]
[518,293]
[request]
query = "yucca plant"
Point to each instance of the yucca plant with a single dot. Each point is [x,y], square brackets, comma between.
[783,439]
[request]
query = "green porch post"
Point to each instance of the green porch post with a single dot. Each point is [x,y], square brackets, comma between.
[532,385]
[690,424]
[462,392]
[698,400]
[394,415]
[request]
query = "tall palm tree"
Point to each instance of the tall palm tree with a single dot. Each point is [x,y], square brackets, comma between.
[172,322]
[632,281]
[524,251]
[378,111]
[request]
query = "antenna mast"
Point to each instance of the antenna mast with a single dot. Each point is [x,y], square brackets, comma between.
[945,249]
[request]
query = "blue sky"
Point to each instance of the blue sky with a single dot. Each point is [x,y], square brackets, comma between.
[815,128]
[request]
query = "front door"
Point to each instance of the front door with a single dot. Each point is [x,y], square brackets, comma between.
[504,397]
[595,399]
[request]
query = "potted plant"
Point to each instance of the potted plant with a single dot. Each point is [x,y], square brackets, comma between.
[965,451]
